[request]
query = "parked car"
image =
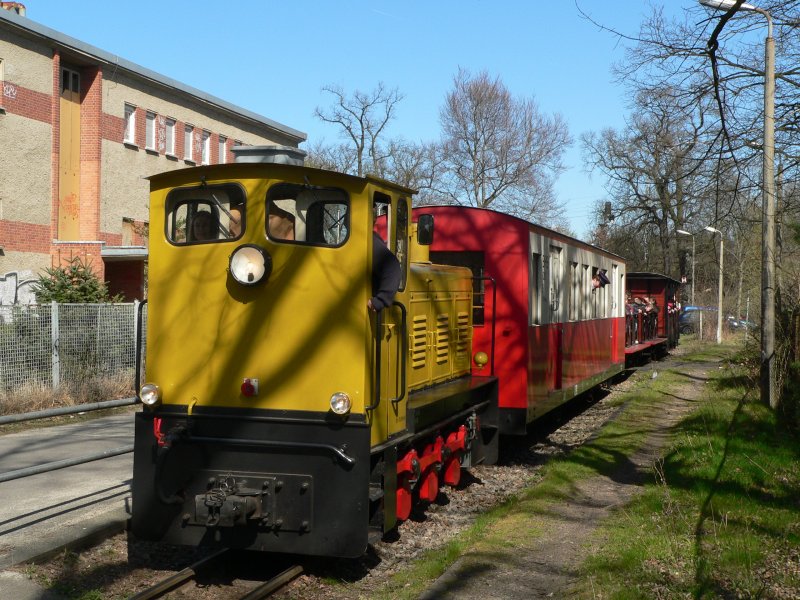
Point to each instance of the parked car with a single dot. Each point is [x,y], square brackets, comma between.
[689,319]
[740,324]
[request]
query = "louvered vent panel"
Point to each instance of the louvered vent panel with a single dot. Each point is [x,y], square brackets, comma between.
[442,338]
[462,343]
[419,328]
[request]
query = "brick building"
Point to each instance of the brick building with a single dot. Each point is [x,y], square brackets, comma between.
[80,129]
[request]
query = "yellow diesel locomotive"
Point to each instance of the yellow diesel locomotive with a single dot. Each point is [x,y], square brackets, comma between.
[280,413]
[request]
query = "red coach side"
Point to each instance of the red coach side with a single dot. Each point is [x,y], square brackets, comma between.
[556,334]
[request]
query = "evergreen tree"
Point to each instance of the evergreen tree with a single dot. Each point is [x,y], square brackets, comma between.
[74,282]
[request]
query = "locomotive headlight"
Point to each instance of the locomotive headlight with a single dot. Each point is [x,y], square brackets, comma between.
[340,403]
[150,394]
[250,264]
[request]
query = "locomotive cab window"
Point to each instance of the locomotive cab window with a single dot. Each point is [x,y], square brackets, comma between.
[205,214]
[307,215]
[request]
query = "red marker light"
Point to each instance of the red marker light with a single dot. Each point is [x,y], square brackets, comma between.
[250,387]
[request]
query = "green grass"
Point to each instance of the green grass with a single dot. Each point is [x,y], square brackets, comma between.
[722,518]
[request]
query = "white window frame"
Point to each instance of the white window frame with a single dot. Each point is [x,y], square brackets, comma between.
[130,125]
[205,153]
[188,141]
[150,131]
[170,135]
[223,150]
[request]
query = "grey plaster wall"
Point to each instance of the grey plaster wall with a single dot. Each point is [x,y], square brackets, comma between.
[25,170]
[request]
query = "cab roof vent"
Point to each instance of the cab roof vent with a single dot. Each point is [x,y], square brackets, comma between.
[281,155]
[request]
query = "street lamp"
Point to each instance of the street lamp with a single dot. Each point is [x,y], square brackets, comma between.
[682,232]
[719,294]
[768,208]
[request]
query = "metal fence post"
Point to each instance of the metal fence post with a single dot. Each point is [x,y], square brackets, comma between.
[56,375]
[135,321]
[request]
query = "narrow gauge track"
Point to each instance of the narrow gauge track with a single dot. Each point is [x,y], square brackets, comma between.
[261,590]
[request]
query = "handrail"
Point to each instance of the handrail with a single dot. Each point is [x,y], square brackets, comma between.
[403,351]
[494,315]
[138,370]
[377,389]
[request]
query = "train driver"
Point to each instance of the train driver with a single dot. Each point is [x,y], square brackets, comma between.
[203,226]
[235,223]
[280,222]
[385,275]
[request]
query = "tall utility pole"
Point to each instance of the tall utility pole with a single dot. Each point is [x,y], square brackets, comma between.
[767,380]
[768,395]
[721,281]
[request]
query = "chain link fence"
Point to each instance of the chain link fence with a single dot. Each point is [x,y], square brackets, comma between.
[54,344]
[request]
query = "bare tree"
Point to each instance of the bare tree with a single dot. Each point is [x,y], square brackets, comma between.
[333,157]
[415,165]
[500,151]
[362,117]
[656,178]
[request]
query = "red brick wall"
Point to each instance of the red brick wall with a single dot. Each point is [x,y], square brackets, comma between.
[113,128]
[26,103]
[25,237]
[89,253]
[56,137]
[91,134]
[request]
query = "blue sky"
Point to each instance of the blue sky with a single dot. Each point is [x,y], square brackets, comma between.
[273,57]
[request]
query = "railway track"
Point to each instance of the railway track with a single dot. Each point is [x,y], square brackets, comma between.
[260,590]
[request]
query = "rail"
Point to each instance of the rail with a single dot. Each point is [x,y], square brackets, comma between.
[66,410]
[62,464]
[262,590]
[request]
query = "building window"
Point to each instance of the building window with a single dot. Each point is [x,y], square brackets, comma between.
[150,131]
[188,142]
[170,135]
[130,124]
[223,149]
[205,153]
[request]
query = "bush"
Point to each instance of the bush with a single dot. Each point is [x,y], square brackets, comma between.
[74,282]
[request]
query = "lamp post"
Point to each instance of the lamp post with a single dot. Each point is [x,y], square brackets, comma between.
[768,208]
[719,293]
[682,232]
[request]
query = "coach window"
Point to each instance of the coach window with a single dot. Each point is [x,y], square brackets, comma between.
[556,278]
[205,214]
[586,294]
[535,289]
[574,296]
[300,214]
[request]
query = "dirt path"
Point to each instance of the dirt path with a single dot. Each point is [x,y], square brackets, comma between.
[544,552]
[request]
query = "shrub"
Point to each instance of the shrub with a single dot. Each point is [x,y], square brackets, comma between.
[74,282]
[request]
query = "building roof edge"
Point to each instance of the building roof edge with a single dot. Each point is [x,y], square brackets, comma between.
[32,27]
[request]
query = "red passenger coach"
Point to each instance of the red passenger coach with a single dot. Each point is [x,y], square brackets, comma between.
[549,309]
[651,315]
